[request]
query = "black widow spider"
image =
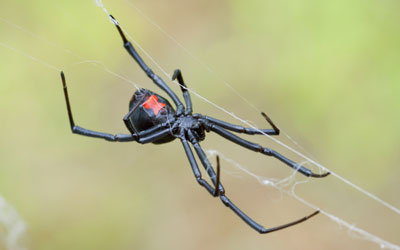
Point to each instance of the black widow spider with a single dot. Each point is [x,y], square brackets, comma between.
[152,119]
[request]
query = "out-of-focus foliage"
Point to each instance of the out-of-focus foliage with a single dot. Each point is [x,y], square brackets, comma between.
[327,72]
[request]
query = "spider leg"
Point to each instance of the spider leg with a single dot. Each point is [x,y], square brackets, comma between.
[217,190]
[267,151]
[259,228]
[227,202]
[207,165]
[178,75]
[145,136]
[156,79]
[196,171]
[241,129]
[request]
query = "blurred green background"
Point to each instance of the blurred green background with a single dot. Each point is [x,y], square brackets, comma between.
[327,72]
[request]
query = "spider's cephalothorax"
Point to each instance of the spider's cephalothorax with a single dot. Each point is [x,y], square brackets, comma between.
[152,119]
[189,126]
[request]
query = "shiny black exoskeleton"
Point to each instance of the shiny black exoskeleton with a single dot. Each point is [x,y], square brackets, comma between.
[146,110]
[152,119]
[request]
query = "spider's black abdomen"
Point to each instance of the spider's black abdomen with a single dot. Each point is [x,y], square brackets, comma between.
[149,109]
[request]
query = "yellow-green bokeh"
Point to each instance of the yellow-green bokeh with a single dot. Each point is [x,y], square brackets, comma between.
[327,72]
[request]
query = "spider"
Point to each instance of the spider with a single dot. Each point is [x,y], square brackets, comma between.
[152,119]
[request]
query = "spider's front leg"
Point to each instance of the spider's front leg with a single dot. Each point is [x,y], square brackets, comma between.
[156,79]
[259,228]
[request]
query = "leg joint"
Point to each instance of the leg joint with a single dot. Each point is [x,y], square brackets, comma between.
[224,200]
[267,151]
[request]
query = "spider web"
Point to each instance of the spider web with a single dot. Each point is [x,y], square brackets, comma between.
[279,184]
[286,185]
[13,229]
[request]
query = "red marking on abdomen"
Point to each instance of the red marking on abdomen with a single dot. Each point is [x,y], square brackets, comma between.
[152,103]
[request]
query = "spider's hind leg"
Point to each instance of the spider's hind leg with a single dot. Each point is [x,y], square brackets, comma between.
[86,132]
